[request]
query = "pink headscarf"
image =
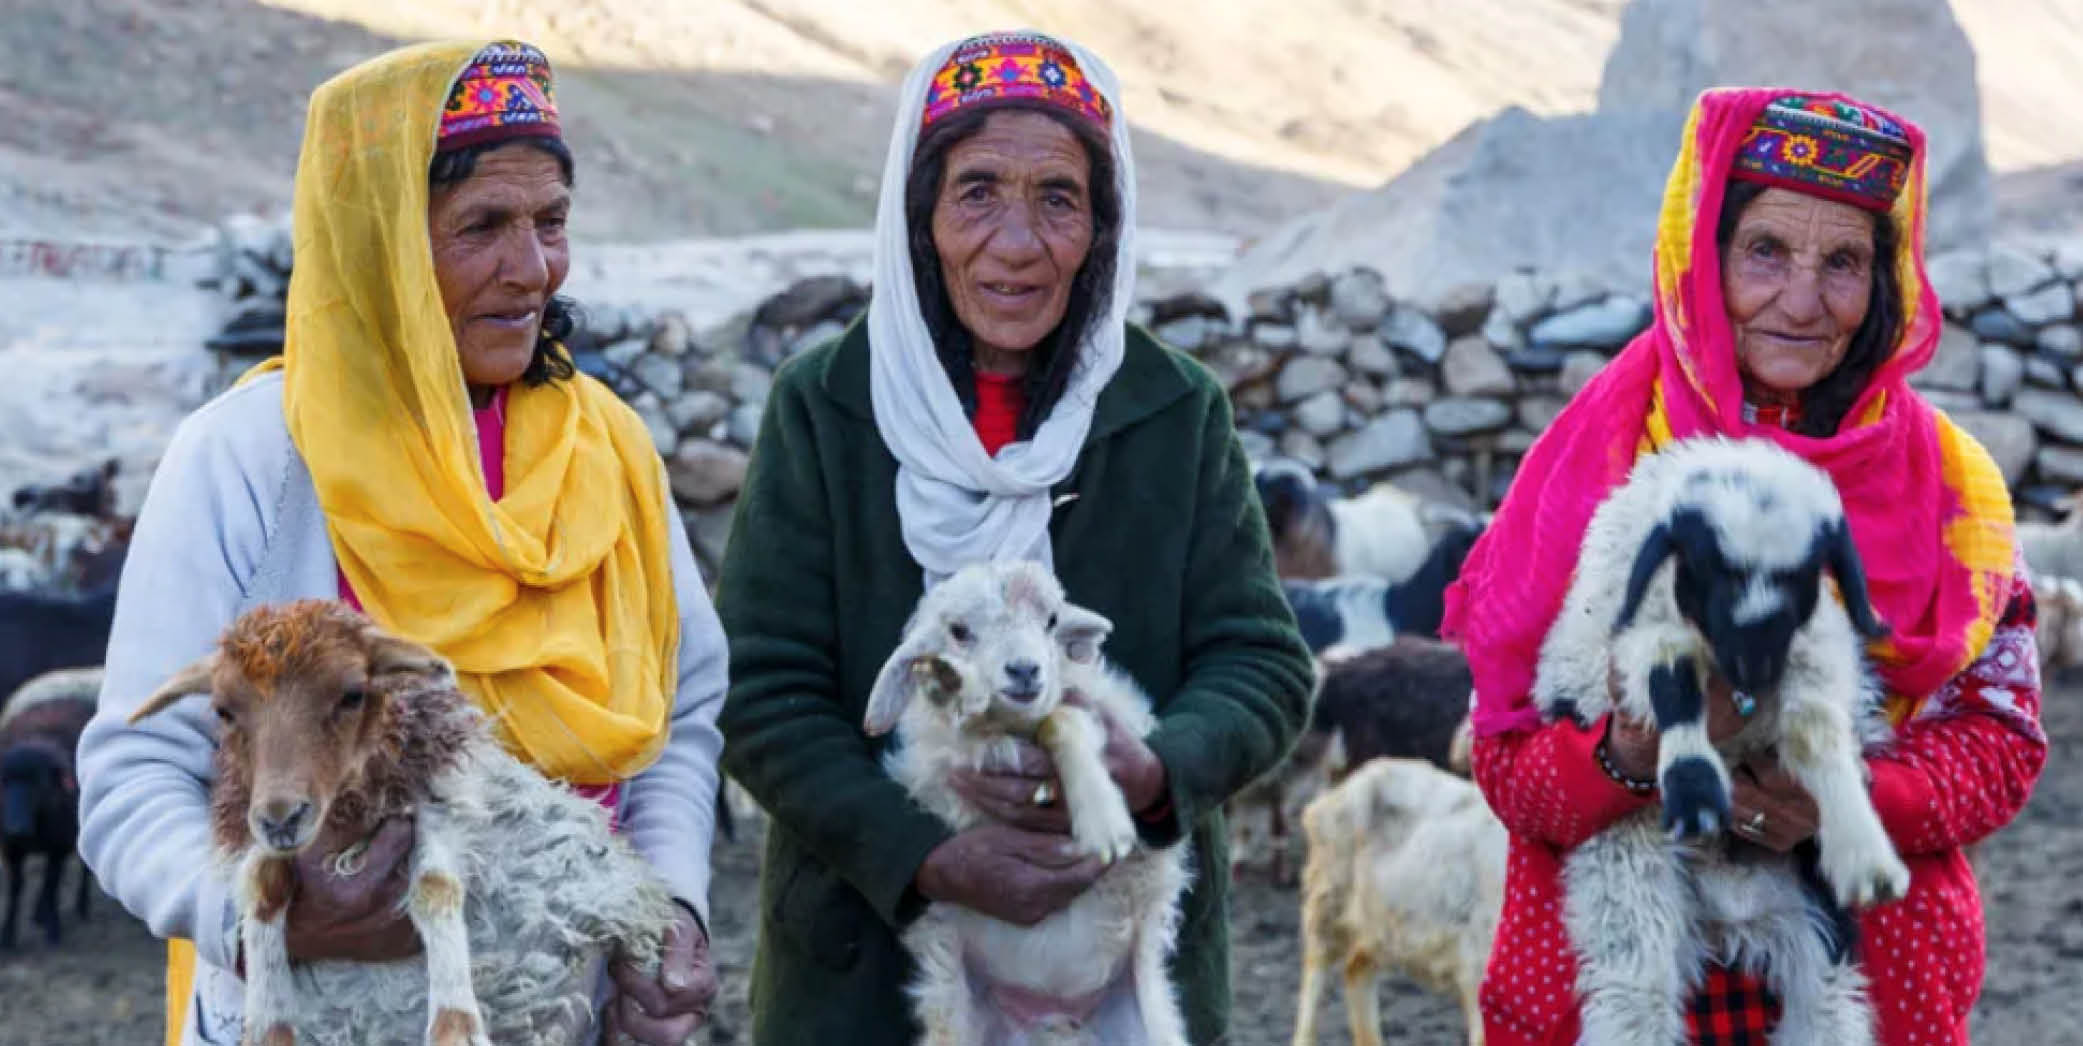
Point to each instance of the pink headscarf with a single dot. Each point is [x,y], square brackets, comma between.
[1928,509]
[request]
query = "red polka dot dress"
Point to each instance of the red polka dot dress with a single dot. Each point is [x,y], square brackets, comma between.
[1958,771]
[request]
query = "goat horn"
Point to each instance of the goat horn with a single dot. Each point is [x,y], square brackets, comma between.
[194,679]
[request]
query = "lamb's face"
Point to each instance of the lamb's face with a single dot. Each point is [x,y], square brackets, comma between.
[1747,613]
[987,645]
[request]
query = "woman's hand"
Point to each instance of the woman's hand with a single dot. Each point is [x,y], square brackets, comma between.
[1769,807]
[1026,795]
[1130,762]
[664,1009]
[352,907]
[1008,873]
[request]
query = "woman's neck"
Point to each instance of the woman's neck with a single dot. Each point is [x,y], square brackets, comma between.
[1760,396]
[1007,362]
[481,396]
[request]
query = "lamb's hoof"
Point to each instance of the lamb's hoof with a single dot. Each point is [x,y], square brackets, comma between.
[1862,880]
[1696,803]
[1109,836]
[278,1034]
[457,1028]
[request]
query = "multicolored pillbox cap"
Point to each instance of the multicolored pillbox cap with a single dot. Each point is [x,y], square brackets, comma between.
[996,68]
[1835,149]
[505,92]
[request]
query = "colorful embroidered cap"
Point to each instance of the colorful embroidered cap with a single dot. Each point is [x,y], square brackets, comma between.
[505,92]
[996,68]
[1838,150]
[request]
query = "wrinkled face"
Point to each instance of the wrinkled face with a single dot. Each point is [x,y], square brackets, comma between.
[499,253]
[306,736]
[1012,223]
[1796,278]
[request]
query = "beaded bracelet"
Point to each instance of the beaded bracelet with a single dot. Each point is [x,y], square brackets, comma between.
[1605,763]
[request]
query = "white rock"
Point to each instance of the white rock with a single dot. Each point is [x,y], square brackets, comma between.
[1414,332]
[2002,372]
[2055,413]
[1322,414]
[1369,356]
[697,411]
[1319,335]
[1472,368]
[663,435]
[1363,397]
[1576,287]
[1303,447]
[1467,415]
[743,426]
[1522,297]
[1956,363]
[659,373]
[1538,412]
[2059,464]
[2068,258]
[2014,271]
[1359,299]
[2053,303]
[1501,332]
[1273,335]
[1305,376]
[1578,368]
[623,353]
[671,336]
[1187,333]
[2047,374]
[705,473]
[1395,438]
[1961,278]
[1257,445]
[2061,340]
[750,383]
[2008,438]
[1605,324]
[1409,392]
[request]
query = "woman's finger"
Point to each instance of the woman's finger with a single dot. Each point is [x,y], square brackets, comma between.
[641,1027]
[640,988]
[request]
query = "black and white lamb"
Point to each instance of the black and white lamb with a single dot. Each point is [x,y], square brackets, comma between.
[985,659]
[1710,560]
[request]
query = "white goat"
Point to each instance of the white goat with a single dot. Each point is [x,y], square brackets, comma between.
[1381,533]
[2058,629]
[1710,560]
[2056,548]
[519,890]
[1405,874]
[991,651]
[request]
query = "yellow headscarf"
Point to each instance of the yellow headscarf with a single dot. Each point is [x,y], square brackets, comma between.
[555,603]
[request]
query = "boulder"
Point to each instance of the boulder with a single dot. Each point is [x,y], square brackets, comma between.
[2002,372]
[1408,392]
[2061,340]
[1369,356]
[663,435]
[2059,464]
[1396,438]
[2068,258]
[2053,303]
[1472,368]
[2046,373]
[624,353]
[1273,335]
[742,427]
[1320,335]
[1538,412]
[1187,333]
[2055,413]
[1955,365]
[1467,415]
[750,382]
[697,411]
[1462,309]
[705,473]
[1606,324]
[810,301]
[1302,447]
[1359,299]
[1501,332]
[1996,324]
[670,335]
[1322,414]
[1523,297]
[1305,376]
[659,373]
[2014,271]
[1576,288]
[1578,368]
[1961,278]
[1415,333]
[1364,397]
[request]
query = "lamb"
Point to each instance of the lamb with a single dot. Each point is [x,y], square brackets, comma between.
[1710,559]
[1405,874]
[518,888]
[2056,548]
[2058,631]
[1366,612]
[1405,700]
[39,796]
[992,650]
[1381,534]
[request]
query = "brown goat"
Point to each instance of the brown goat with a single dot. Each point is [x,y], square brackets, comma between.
[327,724]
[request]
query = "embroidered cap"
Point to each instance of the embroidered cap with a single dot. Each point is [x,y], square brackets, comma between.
[505,92]
[1825,147]
[996,68]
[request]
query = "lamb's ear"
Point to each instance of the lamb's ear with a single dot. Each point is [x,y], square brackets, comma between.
[194,679]
[1656,548]
[896,684]
[1851,581]
[391,655]
[1080,632]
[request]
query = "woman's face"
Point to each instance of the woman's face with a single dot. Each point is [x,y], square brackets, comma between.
[1796,278]
[1012,224]
[499,253]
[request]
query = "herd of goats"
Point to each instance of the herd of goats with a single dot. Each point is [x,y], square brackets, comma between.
[1399,860]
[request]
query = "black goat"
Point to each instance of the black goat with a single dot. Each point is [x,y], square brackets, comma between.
[41,631]
[1365,612]
[1404,700]
[88,492]
[39,809]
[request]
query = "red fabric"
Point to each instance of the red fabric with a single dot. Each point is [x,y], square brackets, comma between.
[1955,774]
[491,456]
[999,401]
[1731,1010]
[1889,469]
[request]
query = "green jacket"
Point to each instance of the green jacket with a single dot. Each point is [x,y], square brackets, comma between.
[1166,538]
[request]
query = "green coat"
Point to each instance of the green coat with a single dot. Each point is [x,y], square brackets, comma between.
[1166,538]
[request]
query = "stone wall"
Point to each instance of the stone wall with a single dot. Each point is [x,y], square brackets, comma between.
[1335,371]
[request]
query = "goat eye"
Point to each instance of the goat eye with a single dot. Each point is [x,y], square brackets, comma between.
[224,716]
[353,699]
[1052,622]
[960,631]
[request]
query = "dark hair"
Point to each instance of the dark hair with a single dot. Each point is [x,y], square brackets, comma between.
[560,315]
[1824,404]
[1091,290]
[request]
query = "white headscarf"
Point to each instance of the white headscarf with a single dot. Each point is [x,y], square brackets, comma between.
[956,503]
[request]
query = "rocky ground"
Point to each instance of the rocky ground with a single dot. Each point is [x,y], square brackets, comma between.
[103,986]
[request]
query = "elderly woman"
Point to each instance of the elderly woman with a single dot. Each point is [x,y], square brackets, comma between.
[1792,305]
[992,405]
[425,451]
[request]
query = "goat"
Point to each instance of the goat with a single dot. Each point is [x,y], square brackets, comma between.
[1710,559]
[2055,548]
[1405,874]
[992,650]
[39,797]
[88,492]
[2058,631]
[40,632]
[518,888]
[1370,612]
[1408,699]
[1383,533]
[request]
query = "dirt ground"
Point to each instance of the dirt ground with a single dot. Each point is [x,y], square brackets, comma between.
[103,984]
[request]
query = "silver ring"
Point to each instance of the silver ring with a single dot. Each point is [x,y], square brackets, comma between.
[1043,794]
[1756,824]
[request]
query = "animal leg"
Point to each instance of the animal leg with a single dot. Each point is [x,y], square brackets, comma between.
[1163,1024]
[946,1000]
[435,906]
[47,896]
[1471,1009]
[1858,861]
[15,875]
[1822,994]
[86,884]
[1362,1006]
[1694,783]
[264,887]
[1100,823]
[1626,905]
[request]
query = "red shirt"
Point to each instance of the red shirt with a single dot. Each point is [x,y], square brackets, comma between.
[1958,772]
[491,457]
[999,401]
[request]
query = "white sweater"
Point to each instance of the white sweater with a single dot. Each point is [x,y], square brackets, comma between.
[232,522]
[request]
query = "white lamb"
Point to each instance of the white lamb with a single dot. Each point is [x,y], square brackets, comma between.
[519,890]
[1710,560]
[986,659]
